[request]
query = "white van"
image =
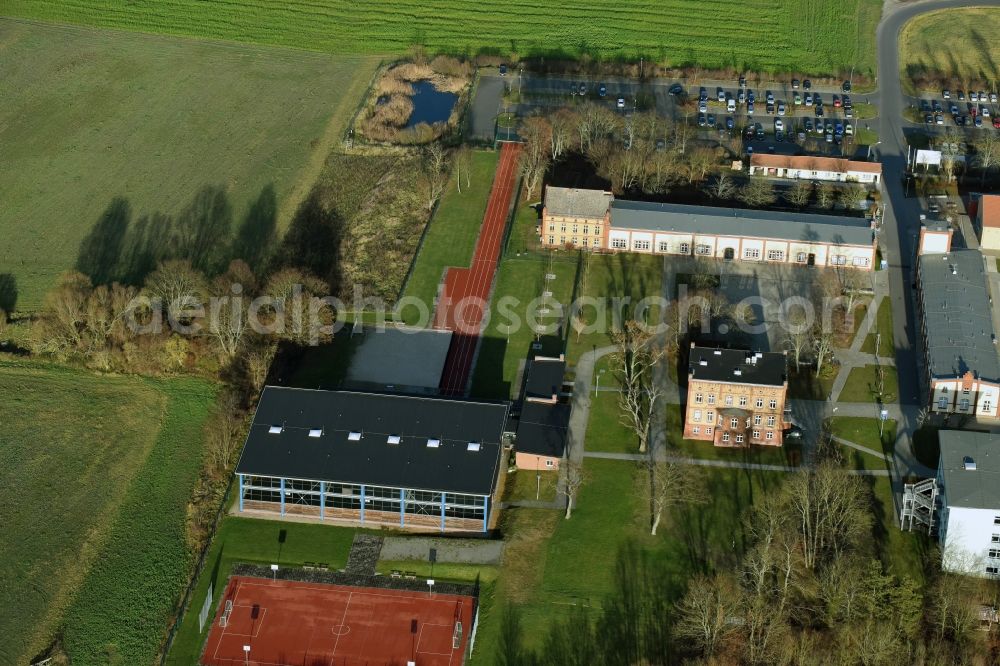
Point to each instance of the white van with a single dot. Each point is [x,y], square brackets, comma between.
[731,105]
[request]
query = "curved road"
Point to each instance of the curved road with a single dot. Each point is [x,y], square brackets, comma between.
[901,221]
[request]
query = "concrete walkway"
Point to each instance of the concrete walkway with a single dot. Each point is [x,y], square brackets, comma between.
[725,464]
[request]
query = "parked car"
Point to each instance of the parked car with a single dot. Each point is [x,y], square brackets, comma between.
[807,124]
[847,102]
[961,95]
[760,132]
[702,95]
[778,124]
[836,102]
[846,87]
[817,100]
[925,105]
[781,108]
[731,105]
[829,138]
[751,97]
[936,105]
[938,119]
[977,121]
[795,84]
[838,128]
[675,89]
[996,122]
[711,120]
[621,103]
[809,99]
[796,99]
[985,111]
[794,432]
[953,110]
[973,97]
[702,120]
[779,136]
[849,129]
[973,110]
[993,98]
[749,108]
[929,119]
[770,108]
[743,81]
[802,136]
[583,89]
[945,94]
[983,96]
[602,90]
[807,85]
[730,124]
[960,121]
[741,96]
[819,111]
[848,113]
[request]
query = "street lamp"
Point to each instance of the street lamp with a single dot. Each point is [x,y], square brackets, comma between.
[246,654]
[599,373]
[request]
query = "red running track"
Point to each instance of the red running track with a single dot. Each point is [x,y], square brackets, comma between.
[465,297]
[288,623]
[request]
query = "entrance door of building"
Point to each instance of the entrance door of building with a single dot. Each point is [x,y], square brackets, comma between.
[811,259]
[728,254]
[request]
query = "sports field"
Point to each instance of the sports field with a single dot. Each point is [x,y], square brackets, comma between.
[89,116]
[953,43]
[807,35]
[93,489]
[290,622]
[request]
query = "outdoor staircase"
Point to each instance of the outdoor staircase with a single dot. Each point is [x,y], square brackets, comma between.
[364,555]
[919,504]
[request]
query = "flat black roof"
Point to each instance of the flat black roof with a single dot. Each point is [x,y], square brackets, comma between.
[542,429]
[544,377]
[353,432]
[737,366]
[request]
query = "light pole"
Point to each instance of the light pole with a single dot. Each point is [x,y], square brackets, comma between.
[246,655]
[519,70]
[599,373]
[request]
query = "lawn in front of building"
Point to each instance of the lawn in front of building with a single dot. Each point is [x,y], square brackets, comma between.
[862,384]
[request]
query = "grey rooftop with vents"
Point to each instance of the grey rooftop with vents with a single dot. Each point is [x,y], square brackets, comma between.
[957,315]
[413,442]
[737,366]
[970,469]
[710,220]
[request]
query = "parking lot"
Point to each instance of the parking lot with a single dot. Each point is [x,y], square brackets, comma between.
[780,117]
[960,108]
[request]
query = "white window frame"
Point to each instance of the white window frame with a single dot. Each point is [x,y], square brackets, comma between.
[640,245]
[751,253]
[770,434]
[619,243]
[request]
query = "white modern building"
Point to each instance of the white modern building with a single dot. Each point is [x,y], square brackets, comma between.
[759,236]
[814,167]
[969,494]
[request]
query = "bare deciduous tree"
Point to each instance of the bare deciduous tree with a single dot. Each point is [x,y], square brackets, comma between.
[705,611]
[800,193]
[669,485]
[535,155]
[574,476]
[562,123]
[987,153]
[722,188]
[174,282]
[223,431]
[636,355]
[825,195]
[757,192]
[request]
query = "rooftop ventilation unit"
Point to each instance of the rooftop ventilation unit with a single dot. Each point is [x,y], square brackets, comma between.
[275,429]
[473,446]
[703,362]
[738,372]
[433,443]
[315,432]
[354,436]
[717,352]
[969,463]
[393,439]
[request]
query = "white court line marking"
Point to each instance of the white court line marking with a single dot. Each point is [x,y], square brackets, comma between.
[343,619]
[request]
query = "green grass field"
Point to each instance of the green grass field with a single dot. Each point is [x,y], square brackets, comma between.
[883,325]
[861,383]
[806,35]
[451,237]
[927,45]
[93,497]
[517,302]
[91,115]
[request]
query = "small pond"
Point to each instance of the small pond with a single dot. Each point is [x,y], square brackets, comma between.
[430,105]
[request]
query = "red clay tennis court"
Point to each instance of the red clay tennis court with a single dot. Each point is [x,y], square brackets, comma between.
[291,623]
[466,291]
